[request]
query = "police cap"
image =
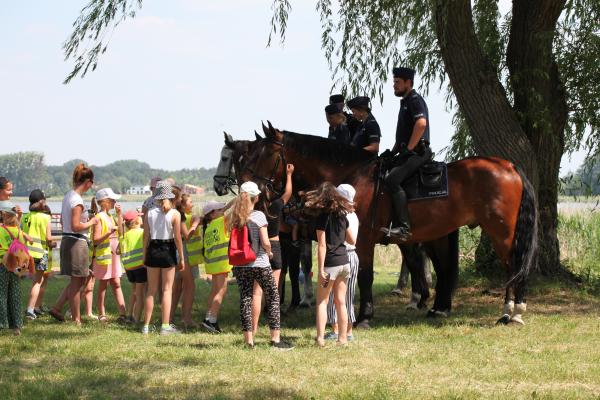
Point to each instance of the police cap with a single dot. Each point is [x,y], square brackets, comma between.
[336,98]
[359,101]
[332,109]
[404,73]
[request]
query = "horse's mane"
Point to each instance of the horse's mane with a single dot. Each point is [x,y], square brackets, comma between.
[326,149]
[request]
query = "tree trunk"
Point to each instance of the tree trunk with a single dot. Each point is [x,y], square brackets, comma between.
[540,100]
[536,123]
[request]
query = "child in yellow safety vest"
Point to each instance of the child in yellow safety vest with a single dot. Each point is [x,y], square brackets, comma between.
[192,252]
[216,259]
[132,258]
[10,286]
[106,262]
[37,225]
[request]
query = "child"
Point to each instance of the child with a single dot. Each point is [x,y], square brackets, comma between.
[348,192]
[216,261]
[106,262]
[259,270]
[162,246]
[10,289]
[37,225]
[132,247]
[6,191]
[333,261]
[192,252]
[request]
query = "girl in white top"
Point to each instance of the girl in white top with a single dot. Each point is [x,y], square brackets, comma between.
[162,244]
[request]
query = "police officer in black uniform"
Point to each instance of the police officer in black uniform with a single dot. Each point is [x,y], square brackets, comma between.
[368,134]
[351,122]
[412,148]
[338,130]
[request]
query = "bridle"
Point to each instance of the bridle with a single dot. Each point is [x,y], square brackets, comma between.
[228,181]
[269,182]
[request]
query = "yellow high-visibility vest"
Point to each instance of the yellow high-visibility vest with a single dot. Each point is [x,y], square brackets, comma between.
[216,246]
[132,249]
[34,224]
[194,244]
[103,251]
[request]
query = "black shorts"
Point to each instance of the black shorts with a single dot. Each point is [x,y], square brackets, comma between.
[161,254]
[276,250]
[138,275]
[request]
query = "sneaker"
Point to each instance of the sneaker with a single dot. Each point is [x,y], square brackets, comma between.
[281,345]
[211,327]
[39,312]
[171,330]
[145,330]
[350,338]
[122,320]
[30,315]
[331,336]
[44,309]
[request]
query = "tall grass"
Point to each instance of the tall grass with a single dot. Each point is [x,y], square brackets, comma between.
[579,240]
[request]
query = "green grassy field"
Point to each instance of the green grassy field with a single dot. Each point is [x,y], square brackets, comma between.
[404,355]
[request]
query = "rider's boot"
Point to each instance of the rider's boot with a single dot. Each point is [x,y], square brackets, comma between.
[401,222]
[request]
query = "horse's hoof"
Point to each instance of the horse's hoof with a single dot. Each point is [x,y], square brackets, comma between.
[364,324]
[504,320]
[412,306]
[517,320]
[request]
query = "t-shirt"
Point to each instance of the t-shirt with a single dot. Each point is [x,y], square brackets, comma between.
[353,225]
[71,200]
[256,221]
[335,234]
[275,212]
[412,108]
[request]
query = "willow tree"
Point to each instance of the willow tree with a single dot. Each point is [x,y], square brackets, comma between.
[524,85]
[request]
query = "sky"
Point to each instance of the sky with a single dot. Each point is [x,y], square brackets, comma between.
[173,79]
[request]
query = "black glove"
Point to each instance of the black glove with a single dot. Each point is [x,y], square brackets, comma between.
[386,154]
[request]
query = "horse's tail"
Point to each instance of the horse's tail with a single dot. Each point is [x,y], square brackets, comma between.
[525,242]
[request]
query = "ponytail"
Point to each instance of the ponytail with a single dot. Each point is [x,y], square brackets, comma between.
[81,173]
[166,205]
[94,206]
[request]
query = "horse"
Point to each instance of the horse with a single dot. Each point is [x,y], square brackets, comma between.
[488,192]
[442,251]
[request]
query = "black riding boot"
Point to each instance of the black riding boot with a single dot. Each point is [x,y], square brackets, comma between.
[400,221]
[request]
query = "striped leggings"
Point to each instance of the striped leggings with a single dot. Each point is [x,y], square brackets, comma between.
[245,277]
[331,314]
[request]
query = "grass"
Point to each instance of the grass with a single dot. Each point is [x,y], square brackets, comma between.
[404,355]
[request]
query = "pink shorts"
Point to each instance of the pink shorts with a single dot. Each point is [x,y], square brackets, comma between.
[114,270]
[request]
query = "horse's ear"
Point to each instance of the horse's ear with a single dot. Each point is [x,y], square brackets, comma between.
[272,133]
[265,129]
[258,137]
[228,140]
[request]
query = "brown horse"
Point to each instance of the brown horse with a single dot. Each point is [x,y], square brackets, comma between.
[483,191]
[234,156]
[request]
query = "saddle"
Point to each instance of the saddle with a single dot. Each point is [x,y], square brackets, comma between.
[430,181]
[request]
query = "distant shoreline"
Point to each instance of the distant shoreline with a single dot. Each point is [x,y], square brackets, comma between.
[128,198]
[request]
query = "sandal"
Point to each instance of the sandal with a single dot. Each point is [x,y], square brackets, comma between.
[103,318]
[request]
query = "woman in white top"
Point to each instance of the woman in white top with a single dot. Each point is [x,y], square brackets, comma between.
[74,245]
[162,244]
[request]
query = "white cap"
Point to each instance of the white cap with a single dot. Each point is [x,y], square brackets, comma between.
[347,191]
[107,193]
[211,206]
[251,188]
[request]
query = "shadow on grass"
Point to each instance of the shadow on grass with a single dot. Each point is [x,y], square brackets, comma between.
[93,378]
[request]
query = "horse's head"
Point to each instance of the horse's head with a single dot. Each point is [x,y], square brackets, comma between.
[265,162]
[231,164]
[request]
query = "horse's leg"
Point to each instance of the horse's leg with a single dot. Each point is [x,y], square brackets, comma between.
[402,278]
[416,265]
[365,251]
[509,306]
[443,253]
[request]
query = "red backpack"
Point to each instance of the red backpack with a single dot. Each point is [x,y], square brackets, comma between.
[240,248]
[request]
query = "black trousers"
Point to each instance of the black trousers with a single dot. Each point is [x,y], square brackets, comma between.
[406,169]
[290,259]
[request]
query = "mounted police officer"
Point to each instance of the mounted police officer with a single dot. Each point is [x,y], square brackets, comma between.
[338,129]
[368,134]
[411,147]
[351,122]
